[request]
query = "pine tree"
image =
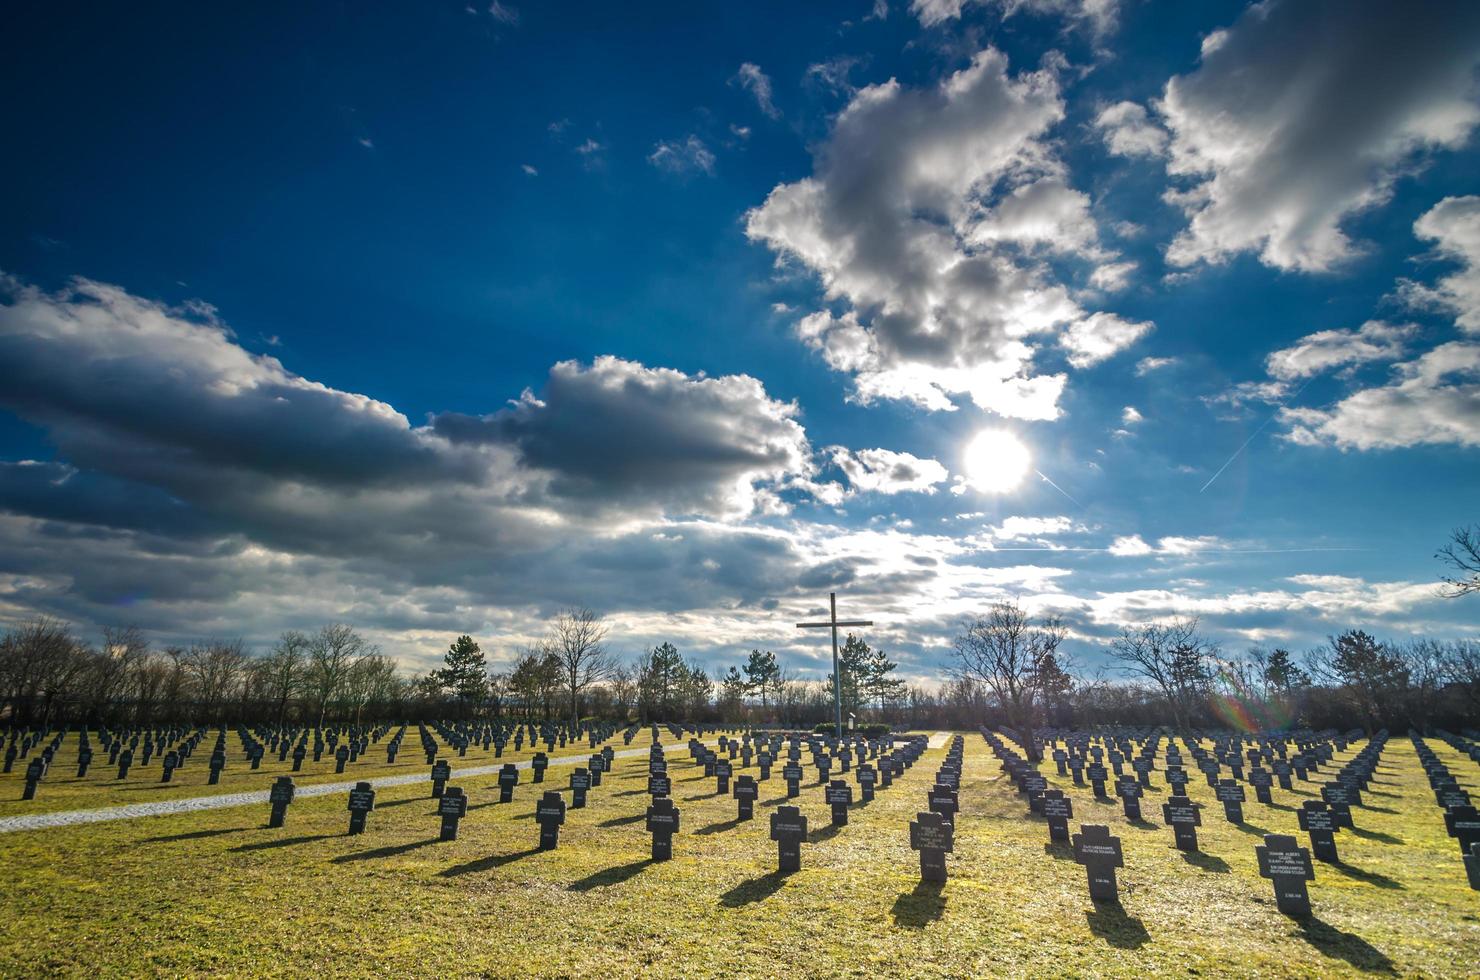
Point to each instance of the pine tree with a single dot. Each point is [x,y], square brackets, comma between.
[466,673]
[761,673]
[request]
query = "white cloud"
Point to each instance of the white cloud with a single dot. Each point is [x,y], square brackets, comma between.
[1129,416]
[886,471]
[1018,528]
[1326,349]
[685,156]
[1304,113]
[504,13]
[1454,226]
[922,217]
[753,80]
[1130,545]
[529,170]
[1146,365]
[1129,132]
[1098,16]
[1100,336]
[1433,400]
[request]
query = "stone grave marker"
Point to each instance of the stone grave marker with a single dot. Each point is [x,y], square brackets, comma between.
[279,796]
[1319,823]
[662,823]
[839,796]
[934,838]
[788,830]
[549,813]
[1184,817]
[361,802]
[1285,863]
[1100,855]
[508,778]
[451,807]
[746,793]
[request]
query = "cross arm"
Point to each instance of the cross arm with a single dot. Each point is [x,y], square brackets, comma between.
[849,622]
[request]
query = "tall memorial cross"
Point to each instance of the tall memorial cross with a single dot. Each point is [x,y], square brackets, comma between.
[833,623]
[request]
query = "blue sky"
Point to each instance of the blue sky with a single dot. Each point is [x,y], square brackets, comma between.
[434,318]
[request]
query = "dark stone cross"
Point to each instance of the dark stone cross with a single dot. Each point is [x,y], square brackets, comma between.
[942,800]
[1059,810]
[659,785]
[580,781]
[217,763]
[1101,855]
[34,771]
[839,796]
[508,778]
[361,802]
[788,830]
[1463,824]
[341,756]
[1231,794]
[1284,862]
[792,773]
[723,770]
[538,765]
[441,772]
[867,777]
[1184,817]
[662,823]
[549,813]
[1319,822]
[934,838]
[1472,866]
[746,793]
[170,763]
[452,807]
[280,796]
[1129,791]
[1097,777]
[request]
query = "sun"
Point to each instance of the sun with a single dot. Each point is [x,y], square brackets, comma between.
[996,461]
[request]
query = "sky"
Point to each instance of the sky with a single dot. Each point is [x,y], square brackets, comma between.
[435,318]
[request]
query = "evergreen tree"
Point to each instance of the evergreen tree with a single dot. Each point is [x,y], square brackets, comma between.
[761,673]
[466,673]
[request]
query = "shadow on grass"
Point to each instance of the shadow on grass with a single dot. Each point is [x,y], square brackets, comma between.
[1141,823]
[1206,862]
[825,832]
[1112,923]
[1377,836]
[623,821]
[915,909]
[777,799]
[753,890]
[1379,809]
[390,850]
[1368,877]
[193,835]
[719,827]
[631,792]
[703,796]
[414,799]
[610,876]
[1281,806]
[263,845]
[1330,941]
[1251,828]
[1059,852]
[1391,796]
[486,864]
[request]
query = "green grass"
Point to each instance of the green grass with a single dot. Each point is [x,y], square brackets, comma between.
[217,893]
[62,790]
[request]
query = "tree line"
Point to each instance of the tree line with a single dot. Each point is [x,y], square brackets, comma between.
[1005,667]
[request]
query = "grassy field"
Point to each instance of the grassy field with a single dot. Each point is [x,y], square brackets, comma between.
[216,893]
[62,790]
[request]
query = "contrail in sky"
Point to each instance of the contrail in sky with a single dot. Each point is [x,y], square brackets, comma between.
[1057,487]
[1254,435]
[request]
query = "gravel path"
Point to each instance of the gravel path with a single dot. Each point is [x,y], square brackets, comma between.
[40,821]
[938,740]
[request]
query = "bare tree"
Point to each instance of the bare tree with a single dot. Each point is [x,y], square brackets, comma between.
[1462,553]
[216,669]
[332,651]
[623,690]
[1016,660]
[578,639]
[284,670]
[1171,655]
